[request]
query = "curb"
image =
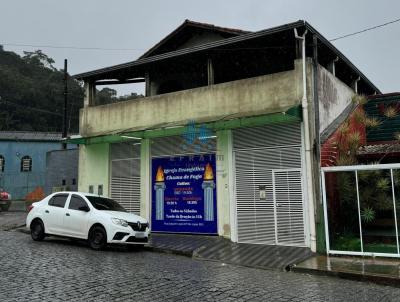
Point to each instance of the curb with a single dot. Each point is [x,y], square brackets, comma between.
[169,251]
[377,279]
[15,228]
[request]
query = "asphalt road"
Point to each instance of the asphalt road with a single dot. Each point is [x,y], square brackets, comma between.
[61,270]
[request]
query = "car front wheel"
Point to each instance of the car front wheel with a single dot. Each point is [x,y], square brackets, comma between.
[37,230]
[97,238]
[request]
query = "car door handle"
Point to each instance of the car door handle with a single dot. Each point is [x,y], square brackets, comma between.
[67,214]
[46,211]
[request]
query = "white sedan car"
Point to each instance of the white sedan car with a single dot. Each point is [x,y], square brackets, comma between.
[97,219]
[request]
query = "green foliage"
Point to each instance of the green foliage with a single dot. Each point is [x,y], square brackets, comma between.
[347,243]
[32,93]
[367,214]
[108,95]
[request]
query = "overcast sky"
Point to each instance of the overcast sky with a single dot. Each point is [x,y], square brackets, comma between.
[139,25]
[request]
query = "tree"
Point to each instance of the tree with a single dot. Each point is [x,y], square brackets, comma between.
[38,58]
[32,93]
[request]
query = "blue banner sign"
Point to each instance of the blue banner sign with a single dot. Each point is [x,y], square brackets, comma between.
[184,194]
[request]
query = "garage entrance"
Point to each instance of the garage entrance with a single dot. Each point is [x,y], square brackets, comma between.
[268,185]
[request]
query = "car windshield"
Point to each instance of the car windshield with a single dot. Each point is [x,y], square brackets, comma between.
[105,204]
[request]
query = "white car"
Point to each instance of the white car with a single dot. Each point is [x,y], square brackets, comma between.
[98,219]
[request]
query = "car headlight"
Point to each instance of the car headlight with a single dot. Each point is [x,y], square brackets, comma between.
[121,222]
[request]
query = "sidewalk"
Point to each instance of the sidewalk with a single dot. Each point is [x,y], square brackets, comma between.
[219,249]
[12,220]
[383,271]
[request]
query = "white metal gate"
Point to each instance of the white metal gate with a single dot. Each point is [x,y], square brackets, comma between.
[125,175]
[288,200]
[268,185]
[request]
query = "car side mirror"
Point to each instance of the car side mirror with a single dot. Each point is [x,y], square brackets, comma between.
[84,208]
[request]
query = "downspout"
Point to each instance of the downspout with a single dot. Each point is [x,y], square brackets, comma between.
[307,143]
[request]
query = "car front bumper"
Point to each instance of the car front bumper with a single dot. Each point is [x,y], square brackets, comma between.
[126,235]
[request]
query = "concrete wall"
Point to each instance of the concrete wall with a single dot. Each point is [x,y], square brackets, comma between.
[62,165]
[18,183]
[225,183]
[334,96]
[94,167]
[248,97]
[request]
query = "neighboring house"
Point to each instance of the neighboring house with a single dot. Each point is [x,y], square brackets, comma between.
[23,162]
[61,170]
[382,141]
[376,123]
[225,141]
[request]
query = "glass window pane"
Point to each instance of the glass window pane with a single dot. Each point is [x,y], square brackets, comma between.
[342,208]
[377,213]
[76,203]
[58,200]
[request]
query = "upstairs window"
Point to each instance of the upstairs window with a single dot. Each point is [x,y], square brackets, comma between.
[2,163]
[26,164]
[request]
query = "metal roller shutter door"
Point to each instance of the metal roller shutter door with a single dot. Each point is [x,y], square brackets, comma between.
[177,145]
[125,175]
[262,155]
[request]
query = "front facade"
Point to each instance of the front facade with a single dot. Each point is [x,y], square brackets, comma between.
[224,142]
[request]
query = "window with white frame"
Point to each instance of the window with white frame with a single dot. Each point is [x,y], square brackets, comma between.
[2,163]
[26,164]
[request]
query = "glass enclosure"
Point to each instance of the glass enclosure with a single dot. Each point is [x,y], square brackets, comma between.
[361,205]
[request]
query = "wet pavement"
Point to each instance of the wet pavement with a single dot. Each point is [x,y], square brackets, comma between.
[11,220]
[62,270]
[378,270]
[220,249]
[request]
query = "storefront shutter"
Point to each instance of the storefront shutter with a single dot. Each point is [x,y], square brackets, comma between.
[262,157]
[125,175]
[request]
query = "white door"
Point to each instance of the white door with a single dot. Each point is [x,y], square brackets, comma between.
[76,219]
[54,214]
[288,199]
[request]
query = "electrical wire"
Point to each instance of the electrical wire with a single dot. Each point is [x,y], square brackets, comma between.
[364,30]
[141,49]
[34,109]
[72,47]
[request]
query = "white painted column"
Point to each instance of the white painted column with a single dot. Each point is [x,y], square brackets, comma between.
[225,190]
[145,181]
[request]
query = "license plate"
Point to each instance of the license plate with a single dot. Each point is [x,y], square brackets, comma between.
[139,235]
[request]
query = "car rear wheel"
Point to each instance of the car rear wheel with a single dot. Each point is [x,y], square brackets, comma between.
[37,230]
[97,238]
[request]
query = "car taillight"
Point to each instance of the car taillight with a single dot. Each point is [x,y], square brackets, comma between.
[30,208]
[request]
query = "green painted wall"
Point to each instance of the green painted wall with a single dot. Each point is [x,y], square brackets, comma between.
[94,167]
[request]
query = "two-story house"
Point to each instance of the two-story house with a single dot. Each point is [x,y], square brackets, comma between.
[226,139]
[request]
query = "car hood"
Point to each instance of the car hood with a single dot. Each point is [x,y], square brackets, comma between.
[124,215]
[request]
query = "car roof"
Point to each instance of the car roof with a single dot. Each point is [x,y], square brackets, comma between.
[78,193]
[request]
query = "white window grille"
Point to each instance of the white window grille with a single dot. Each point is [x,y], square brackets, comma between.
[26,164]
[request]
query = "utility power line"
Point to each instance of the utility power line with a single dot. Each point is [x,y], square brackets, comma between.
[364,30]
[141,49]
[72,47]
[32,109]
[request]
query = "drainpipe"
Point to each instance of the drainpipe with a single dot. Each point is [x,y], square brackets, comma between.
[308,155]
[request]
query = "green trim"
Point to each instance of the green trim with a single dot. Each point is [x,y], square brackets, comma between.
[291,115]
